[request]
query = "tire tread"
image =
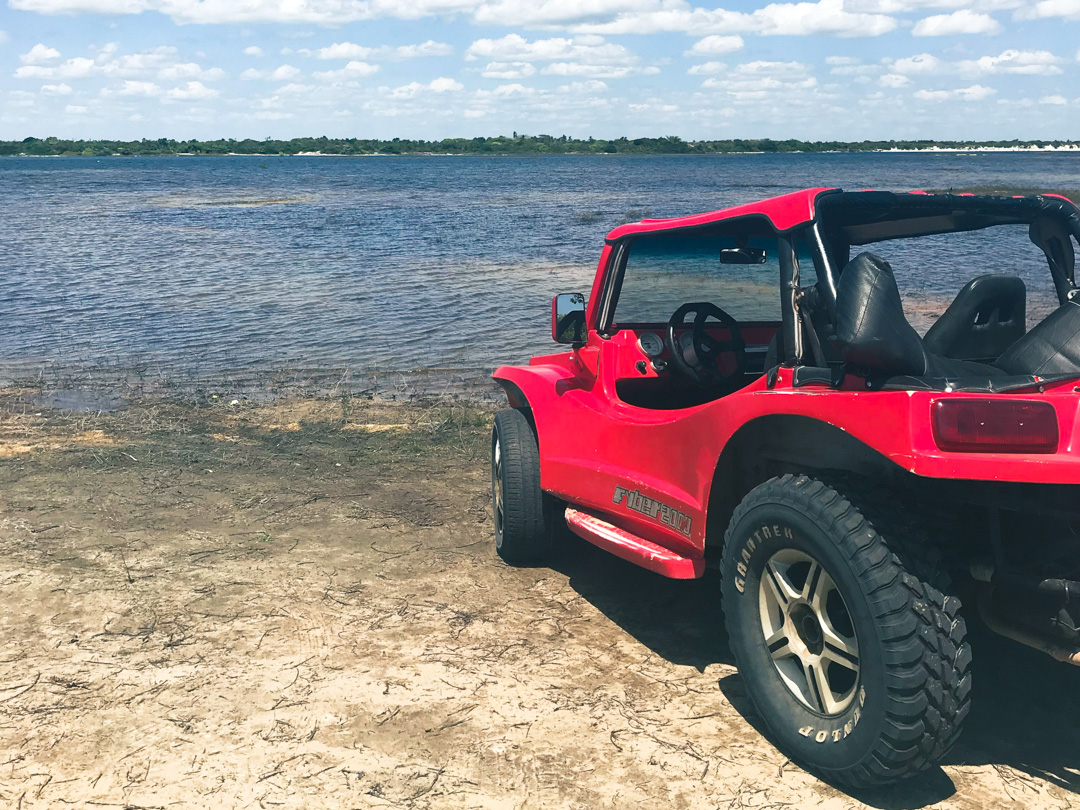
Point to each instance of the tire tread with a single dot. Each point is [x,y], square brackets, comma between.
[928,683]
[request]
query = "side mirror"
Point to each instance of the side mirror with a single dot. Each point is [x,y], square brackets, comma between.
[742,255]
[568,318]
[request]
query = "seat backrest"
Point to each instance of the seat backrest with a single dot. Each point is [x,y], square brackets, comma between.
[1051,347]
[987,316]
[871,329]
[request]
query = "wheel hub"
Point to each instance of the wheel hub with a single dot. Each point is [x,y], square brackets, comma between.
[808,632]
[806,624]
[497,487]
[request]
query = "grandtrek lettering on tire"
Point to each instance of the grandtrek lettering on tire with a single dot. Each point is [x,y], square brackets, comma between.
[765,532]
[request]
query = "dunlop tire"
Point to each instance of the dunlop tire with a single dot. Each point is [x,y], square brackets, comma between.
[916,658]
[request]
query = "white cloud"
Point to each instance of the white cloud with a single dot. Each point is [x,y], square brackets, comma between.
[755,81]
[343,50]
[4,37]
[75,109]
[707,69]
[1023,63]
[923,63]
[1028,63]
[596,71]
[55,90]
[253,50]
[974,93]
[429,48]
[855,69]
[39,54]
[323,12]
[160,62]
[352,71]
[192,91]
[78,68]
[1067,9]
[841,61]
[715,44]
[283,73]
[136,88]
[504,90]
[959,22]
[590,87]
[550,13]
[508,70]
[828,17]
[442,84]
[587,55]
[893,80]
[350,50]
[295,89]
[515,48]
[1056,101]
[190,70]
[911,6]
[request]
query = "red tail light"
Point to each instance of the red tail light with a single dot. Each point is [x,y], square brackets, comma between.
[994,426]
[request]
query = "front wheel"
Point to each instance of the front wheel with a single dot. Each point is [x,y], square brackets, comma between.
[855,659]
[524,514]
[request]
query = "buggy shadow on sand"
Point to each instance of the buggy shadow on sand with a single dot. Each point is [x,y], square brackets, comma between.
[1025,716]
[744,391]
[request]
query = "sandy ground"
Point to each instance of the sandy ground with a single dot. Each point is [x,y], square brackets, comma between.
[299,605]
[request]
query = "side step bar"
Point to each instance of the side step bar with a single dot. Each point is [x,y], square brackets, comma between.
[632,548]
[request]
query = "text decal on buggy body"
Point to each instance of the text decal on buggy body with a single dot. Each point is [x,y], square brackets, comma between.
[661,512]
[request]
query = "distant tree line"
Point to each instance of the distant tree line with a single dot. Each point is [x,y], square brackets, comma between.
[501,145]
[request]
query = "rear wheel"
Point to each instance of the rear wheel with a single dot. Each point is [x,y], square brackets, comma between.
[852,654]
[524,514]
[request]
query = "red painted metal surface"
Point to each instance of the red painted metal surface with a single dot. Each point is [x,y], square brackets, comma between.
[632,548]
[785,212]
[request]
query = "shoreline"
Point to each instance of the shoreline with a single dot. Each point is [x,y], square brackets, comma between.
[934,150]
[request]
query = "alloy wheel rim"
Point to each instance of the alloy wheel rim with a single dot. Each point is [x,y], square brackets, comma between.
[497,488]
[809,633]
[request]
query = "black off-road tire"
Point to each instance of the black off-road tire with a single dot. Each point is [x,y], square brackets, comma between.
[524,514]
[912,686]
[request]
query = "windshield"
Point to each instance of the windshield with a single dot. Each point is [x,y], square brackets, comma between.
[667,270]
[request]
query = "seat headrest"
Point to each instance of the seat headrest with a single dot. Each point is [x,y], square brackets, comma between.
[987,316]
[871,328]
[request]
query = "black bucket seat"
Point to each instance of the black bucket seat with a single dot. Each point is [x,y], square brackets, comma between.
[874,335]
[987,316]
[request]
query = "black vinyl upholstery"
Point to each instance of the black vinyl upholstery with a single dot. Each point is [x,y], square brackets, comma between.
[987,317]
[1051,347]
[873,333]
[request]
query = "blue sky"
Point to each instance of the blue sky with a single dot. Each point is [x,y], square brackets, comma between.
[830,69]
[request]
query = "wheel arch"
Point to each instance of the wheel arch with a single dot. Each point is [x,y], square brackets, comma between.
[514,395]
[784,443]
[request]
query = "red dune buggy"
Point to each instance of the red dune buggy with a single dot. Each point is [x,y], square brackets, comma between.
[745,389]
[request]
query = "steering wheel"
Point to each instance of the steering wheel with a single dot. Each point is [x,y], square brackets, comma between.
[706,347]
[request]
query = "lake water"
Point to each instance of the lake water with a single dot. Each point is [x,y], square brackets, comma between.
[200,271]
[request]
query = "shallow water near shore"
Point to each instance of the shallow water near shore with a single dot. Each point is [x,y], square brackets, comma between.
[396,275]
